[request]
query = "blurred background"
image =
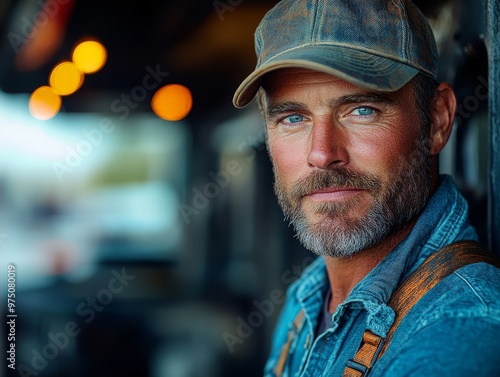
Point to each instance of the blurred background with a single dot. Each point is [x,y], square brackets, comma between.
[146,237]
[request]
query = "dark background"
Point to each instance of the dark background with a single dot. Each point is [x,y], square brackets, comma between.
[206,284]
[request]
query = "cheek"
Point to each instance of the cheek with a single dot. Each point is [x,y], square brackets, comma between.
[287,160]
[382,154]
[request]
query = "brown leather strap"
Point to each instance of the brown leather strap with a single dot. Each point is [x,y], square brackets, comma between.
[297,325]
[435,268]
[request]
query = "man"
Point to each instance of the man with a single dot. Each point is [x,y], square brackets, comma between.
[355,121]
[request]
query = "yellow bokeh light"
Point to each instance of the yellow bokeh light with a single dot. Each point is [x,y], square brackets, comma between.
[66,78]
[89,56]
[44,103]
[172,102]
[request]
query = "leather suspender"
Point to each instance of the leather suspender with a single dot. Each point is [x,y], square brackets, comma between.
[435,268]
[296,327]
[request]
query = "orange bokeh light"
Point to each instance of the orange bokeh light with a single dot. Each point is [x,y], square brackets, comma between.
[44,103]
[172,102]
[66,78]
[89,56]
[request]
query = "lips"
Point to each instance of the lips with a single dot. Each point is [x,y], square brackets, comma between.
[334,193]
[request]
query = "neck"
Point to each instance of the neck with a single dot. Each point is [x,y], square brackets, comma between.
[345,273]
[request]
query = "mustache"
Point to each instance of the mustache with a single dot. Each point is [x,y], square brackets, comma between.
[341,177]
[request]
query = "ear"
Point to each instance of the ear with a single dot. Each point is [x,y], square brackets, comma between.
[443,112]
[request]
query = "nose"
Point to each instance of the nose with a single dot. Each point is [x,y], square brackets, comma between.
[328,146]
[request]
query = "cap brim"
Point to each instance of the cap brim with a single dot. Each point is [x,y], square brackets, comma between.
[358,67]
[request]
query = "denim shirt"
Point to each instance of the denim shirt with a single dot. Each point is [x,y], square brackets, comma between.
[454,330]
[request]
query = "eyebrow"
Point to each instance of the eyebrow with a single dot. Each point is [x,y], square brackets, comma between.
[275,109]
[373,97]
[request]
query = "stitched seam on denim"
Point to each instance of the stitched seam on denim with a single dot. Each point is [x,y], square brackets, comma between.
[481,281]
[453,316]
[457,314]
[472,289]
[432,314]
[364,295]
[429,317]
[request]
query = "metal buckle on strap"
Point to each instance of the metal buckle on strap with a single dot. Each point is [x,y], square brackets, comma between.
[357,367]
[365,358]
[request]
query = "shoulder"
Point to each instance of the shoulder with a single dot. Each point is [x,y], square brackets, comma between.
[471,291]
[453,329]
[481,281]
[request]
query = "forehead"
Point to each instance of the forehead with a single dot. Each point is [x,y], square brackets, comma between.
[288,78]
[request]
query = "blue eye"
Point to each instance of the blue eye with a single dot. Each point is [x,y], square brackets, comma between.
[363,111]
[295,118]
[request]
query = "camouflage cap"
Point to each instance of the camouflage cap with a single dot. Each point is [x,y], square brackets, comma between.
[377,44]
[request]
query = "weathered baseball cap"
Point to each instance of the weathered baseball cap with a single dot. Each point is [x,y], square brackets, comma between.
[376,44]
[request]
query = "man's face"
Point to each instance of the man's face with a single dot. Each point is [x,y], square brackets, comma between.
[352,166]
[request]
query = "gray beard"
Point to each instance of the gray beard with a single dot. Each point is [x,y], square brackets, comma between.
[394,207]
